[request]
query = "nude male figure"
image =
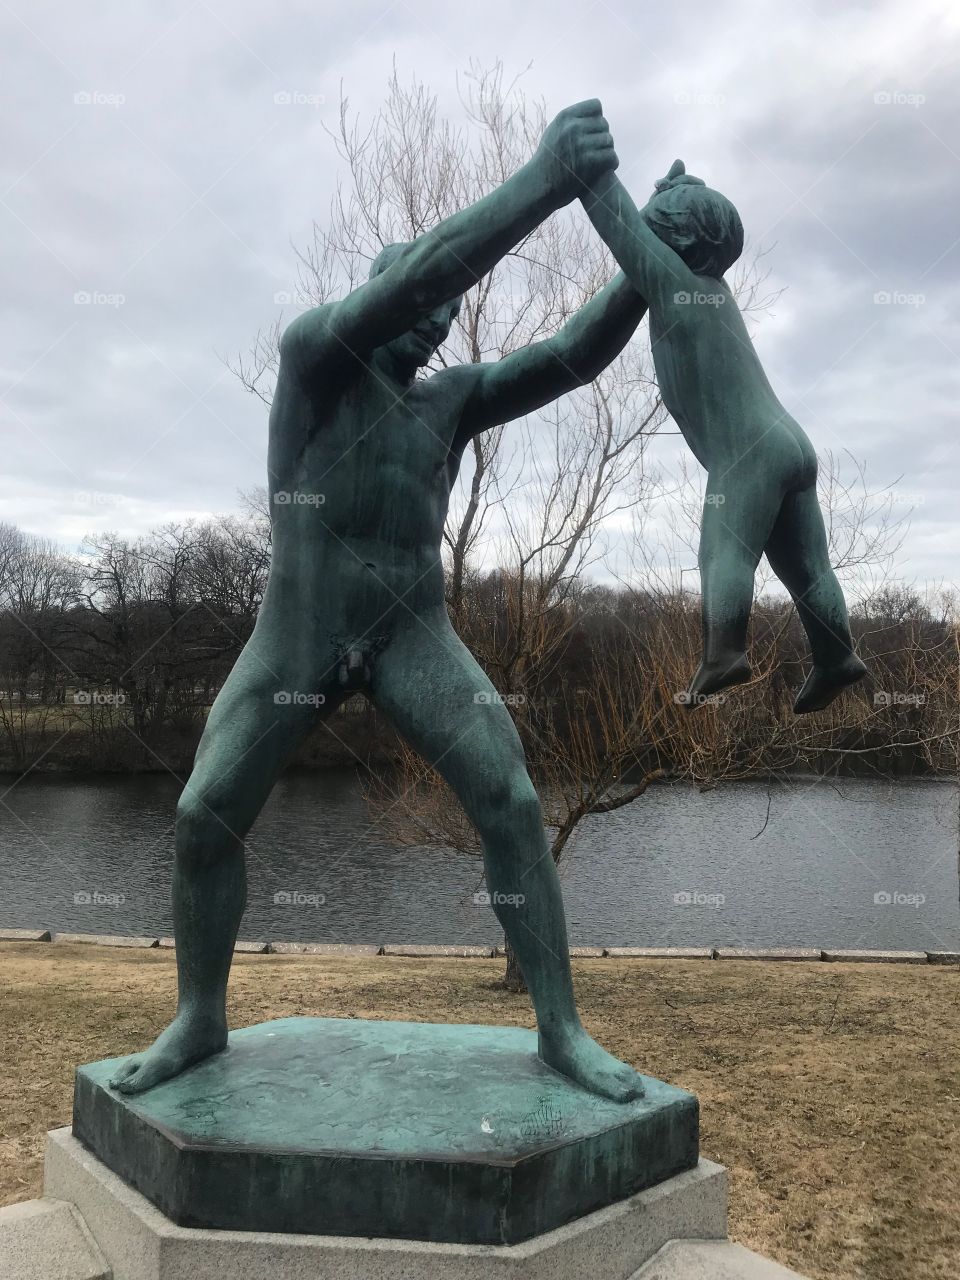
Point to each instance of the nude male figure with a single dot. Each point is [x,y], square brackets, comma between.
[355,598]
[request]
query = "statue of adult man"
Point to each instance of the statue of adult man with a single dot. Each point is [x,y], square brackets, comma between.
[362,457]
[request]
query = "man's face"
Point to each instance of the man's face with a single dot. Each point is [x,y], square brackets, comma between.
[418,346]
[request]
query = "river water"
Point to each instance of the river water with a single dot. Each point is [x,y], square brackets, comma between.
[855,863]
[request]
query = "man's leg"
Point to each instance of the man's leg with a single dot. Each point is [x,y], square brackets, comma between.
[799,556]
[432,689]
[738,514]
[248,738]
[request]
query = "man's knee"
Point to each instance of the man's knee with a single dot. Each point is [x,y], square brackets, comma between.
[204,833]
[510,805]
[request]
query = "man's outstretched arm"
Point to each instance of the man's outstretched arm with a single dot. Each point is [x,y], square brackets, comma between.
[652,267]
[448,260]
[535,375]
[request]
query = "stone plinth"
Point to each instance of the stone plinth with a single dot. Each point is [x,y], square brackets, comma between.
[139,1243]
[406,1130]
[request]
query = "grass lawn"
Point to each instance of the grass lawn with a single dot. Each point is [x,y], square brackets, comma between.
[831,1092]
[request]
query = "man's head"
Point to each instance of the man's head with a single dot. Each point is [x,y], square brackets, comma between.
[699,224]
[418,346]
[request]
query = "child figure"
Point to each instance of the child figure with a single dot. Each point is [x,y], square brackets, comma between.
[761,468]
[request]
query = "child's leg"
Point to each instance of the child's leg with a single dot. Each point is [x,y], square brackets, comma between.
[798,554]
[738,514]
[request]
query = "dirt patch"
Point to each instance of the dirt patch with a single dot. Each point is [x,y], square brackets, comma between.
[831,1092]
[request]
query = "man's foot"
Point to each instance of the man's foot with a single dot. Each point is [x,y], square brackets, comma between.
[581,1059]
[823,684]
[186,1041]
[733,668]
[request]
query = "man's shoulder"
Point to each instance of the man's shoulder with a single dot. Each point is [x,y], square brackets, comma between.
[307,327]
[454,382]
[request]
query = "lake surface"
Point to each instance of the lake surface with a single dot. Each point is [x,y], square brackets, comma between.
[856,863]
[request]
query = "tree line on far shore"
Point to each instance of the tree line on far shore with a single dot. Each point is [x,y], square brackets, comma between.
[111,658]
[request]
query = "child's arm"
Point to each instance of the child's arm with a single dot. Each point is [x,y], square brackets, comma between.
[651,266]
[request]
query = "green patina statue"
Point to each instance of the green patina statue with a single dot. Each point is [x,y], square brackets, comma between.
[761,468]
[362,457]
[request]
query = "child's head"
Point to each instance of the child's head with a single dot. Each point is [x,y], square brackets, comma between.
[699,224]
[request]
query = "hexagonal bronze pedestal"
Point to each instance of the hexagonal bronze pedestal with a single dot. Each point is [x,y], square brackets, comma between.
[386,1129]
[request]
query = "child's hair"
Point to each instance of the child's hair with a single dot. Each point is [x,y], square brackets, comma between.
[699,224]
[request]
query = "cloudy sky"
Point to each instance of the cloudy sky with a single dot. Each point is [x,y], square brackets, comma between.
[153,186]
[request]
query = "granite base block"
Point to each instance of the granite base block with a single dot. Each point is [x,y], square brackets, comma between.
[140,1243]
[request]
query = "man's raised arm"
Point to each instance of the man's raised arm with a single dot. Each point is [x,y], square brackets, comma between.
[445,262]
[535,375]
[652,267]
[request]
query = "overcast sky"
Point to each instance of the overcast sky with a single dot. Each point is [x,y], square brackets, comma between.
[148,167]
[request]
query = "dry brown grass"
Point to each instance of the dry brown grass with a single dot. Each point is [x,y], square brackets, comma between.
[831,1092]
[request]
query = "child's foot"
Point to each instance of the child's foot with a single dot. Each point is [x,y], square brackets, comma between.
[722,673]
[823,684]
